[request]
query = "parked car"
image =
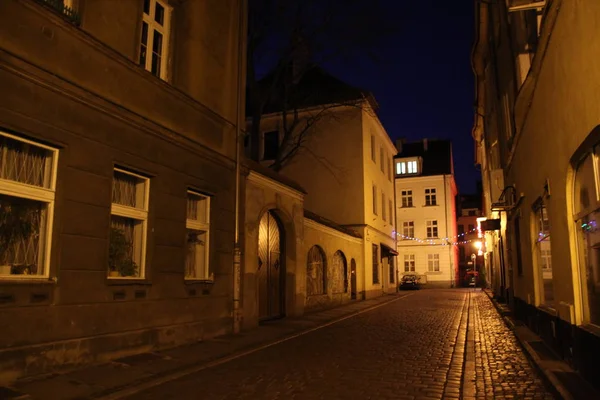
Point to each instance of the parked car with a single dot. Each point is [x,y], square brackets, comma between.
[409,281]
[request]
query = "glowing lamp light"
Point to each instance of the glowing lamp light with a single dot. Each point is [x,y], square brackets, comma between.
[478,245]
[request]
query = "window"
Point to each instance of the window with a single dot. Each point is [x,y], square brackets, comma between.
[407,167]
[383,208]
[408,229]
[586,215]
[339,273]
[27,193]
[543,251]
[129,214]
[316,276]
[472,213]
[375,264]
[271,145]
[461,253]
[373,156]
[391,207]
[430,197]
[471,228]
[409,263]
[382,159]
[461,229]
[432,229]
[197,224]
[407,199]
[68,8]
[433,262]
[374,199]
[155,37]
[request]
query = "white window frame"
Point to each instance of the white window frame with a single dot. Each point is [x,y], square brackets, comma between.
[408,230]
[135,213]
[406,195]
[431,225]
[163,30]
[200,226]
[433,263]
[412,167]
[36,193]
[409,263]
[407,167]
[430,197]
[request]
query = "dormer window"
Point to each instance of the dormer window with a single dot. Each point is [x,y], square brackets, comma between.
[407,167]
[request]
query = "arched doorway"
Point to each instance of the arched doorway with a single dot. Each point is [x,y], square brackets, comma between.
[339,273]
[316,272]
[353,279]
[270,268]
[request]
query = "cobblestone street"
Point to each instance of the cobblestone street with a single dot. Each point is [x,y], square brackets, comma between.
[411,348]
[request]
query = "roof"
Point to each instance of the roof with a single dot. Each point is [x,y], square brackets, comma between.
[436,155]
[331,224]
[316,87]
[272,174]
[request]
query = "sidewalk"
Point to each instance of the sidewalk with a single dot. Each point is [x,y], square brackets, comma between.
[129,375]
[567,383]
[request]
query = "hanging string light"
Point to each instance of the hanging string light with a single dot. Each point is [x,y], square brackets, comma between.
[447,240]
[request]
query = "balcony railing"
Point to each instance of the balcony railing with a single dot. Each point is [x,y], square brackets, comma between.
[60,7]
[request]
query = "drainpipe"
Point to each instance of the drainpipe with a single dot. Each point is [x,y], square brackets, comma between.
[237,251]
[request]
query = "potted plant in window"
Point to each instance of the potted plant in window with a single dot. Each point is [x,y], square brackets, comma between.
[18,221]
[119,258]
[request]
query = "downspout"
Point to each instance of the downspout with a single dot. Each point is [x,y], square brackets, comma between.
[237,251]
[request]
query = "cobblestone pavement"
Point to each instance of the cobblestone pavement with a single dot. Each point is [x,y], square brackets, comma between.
[412,348]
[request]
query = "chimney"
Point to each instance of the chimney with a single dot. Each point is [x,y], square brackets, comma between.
[399,143]
[425,144]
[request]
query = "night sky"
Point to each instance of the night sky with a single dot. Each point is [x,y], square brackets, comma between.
[423,80]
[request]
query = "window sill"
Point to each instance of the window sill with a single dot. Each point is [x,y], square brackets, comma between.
[207,282]
[433,272]
[431,205]
[407,207]
[9,280]
[128,281]
[548,309]
[591,328]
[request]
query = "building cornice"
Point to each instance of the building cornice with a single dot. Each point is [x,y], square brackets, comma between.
[309,223]
[266,182]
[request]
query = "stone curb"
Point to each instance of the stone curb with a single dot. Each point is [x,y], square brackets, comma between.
[551,380]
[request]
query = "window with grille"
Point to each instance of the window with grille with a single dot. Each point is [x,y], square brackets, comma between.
[375,264]
[432,229]
[433,262]
[129,215]
[197,225]
[430,197]
[27,195]
[407,198]
[155,37]
[409,263]
[408,229]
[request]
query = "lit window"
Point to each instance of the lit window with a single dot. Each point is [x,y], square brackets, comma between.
[433,262]
[401,168]
[432,229]
[197,224]
[407,199]
[68,8]
[408,229]
[412,167]
[129,215]
[27,193]
[409,263]
[430,197]
[155,37]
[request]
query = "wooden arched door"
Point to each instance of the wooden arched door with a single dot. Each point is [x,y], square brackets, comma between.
[270,269]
